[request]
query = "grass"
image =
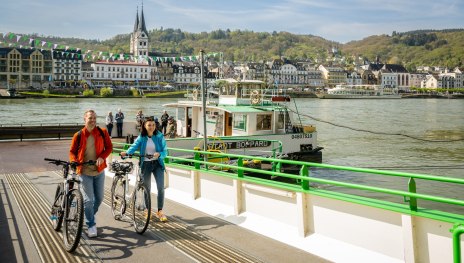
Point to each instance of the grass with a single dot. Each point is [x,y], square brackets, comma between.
[170,94]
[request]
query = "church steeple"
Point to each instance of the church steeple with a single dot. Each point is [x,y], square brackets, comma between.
[139,42]
[136,25]
[142,26]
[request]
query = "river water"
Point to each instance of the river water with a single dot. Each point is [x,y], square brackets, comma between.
[432,140]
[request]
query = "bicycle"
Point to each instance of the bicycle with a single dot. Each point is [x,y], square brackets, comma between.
[139,199]
[68,205]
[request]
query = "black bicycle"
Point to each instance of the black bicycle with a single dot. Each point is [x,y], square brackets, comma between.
[68,205]
[139,200]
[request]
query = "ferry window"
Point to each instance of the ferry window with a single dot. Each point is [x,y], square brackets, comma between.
[263,122]
[280,121]
[239,121]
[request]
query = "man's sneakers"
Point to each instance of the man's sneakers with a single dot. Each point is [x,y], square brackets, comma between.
[92,232]
[161,217]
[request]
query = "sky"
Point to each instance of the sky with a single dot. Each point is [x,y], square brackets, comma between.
[336,20]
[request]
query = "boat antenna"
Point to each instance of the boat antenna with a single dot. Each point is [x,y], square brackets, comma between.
[298,114]
[202,82]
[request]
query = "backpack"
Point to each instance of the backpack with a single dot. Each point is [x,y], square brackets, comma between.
[79,138]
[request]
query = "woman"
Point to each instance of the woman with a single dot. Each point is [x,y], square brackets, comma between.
[109,122]
[151,142]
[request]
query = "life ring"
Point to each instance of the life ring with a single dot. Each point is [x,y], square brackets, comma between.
[195,94]
[255,98]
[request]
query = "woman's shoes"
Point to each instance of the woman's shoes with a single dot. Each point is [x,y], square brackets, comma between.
[161,217]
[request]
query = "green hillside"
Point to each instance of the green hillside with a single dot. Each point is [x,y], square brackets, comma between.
[422,47]
[236,45]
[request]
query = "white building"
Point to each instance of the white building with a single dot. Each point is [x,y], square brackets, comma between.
[124,71]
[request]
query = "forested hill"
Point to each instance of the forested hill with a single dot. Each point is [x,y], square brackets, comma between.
[414,48]
[236,45]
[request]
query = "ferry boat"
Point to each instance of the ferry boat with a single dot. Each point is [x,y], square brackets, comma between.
[344,91]
[244,118]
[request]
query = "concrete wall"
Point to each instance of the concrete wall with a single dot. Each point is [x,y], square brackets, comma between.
[337,230]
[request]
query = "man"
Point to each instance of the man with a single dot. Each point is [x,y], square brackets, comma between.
[139,119]
[119,120]
[164,121]
[172,128]
[91,143]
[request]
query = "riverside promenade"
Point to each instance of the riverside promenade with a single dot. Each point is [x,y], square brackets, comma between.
[188,236]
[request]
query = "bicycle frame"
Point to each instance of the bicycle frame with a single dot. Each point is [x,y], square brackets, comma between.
[61,213]
[124,199]
[139,180]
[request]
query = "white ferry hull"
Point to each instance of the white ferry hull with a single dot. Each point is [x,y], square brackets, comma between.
[296,146]
[347,96]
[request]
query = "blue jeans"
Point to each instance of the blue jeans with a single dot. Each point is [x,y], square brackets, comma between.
[109,127]
[119,129]
[93,190]
[153,167]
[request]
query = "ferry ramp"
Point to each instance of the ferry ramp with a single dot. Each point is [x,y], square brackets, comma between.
[27,186]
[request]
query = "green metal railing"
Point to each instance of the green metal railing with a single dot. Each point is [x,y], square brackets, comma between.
[193,160]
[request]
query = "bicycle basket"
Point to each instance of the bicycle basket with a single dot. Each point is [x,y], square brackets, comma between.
[124,167]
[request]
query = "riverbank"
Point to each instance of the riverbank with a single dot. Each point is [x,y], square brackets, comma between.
[39,95]
[432,96]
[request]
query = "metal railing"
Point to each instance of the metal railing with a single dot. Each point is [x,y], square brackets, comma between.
[195,161]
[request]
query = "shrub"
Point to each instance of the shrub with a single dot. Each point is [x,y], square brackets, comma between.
[46,93]
[88,93]
[135,92]
[106,92]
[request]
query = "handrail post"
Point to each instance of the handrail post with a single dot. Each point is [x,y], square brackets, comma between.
[457,230]
[412,189]
[197,158]
[240,165]
[304,172]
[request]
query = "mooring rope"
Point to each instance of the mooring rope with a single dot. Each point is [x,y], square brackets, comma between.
[375,132]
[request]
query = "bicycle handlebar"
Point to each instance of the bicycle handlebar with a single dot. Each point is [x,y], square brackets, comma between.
[66,163]
[148,156]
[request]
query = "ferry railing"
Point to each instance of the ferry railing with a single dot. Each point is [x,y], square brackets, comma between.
[411,196]
[305,179]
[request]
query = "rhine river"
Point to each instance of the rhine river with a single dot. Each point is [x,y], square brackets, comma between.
[356,133]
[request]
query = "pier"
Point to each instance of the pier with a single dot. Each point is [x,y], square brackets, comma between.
[27,186]
[229,216]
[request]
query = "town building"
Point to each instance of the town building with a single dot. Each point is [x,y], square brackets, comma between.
[67,67]
[332,75]
[22,68]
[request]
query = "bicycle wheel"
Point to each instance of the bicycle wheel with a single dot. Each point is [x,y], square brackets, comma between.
[118,200]
[56,214]
[141,209]
[73,220]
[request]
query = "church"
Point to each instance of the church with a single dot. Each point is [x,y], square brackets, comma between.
[140,41]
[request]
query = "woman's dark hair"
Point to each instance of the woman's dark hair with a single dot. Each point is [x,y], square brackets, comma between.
[144,130]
